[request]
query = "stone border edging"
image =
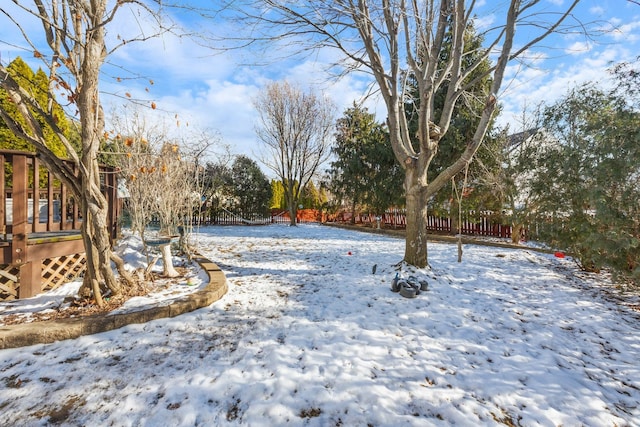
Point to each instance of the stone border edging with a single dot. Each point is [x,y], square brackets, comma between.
[45,332]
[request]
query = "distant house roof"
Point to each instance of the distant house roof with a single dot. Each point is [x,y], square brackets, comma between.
[516,139]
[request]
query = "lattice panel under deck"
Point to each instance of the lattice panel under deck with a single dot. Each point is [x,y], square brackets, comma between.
[8,282]
[58,271]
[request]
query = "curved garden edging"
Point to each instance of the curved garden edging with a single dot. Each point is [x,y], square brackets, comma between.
[12,336]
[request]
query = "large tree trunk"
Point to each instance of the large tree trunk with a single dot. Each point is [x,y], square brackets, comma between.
[291,200]
[90,285]
[94,205]
[415,252]
[293,213]
[95,233]
[516,232]
[74,31]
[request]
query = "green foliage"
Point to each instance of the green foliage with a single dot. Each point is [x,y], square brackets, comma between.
[511,183]
[24,76]
[313,197]
[365,172]
[310,197]
[250,187]
[587,185]
[278,200]
[323,197]
[37,84]
[243,187]
[215,190]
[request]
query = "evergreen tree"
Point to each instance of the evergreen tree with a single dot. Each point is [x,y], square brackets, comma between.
[310,197]
[385,176]
[250,187]
[323,197]
[587,185]
[278,200]
[365,174]
[215,189]
[512,182]
[25,76]
[37,85]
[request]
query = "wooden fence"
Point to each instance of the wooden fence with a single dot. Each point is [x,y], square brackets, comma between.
[225,217]
[473,223]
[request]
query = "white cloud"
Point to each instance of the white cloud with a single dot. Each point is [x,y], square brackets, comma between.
[222,106]
[530,87]
[578,48]
[528,62]
[483,23]
[626,33]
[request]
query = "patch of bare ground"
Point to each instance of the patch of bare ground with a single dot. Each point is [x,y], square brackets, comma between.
[57,416]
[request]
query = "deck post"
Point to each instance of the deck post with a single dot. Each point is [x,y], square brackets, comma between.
[30,271]
[20,208]
[30,279]
[3,201]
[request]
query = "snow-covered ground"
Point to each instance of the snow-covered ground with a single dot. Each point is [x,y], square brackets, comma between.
[308,335]
[162,291]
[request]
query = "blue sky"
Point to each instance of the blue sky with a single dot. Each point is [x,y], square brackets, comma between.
[204,90]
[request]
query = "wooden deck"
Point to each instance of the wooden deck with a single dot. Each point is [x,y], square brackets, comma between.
[40,243]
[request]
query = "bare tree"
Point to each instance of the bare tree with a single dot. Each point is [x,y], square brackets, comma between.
[296,129]
[162,174]
[73,54]
[397,39]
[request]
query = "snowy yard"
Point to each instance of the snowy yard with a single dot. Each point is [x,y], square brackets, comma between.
[307,335]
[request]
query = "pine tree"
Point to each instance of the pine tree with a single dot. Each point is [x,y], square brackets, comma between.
[365,174]
[310,197]
[37,85]
[277,195]
[250,187]
[215,189]
[24,75]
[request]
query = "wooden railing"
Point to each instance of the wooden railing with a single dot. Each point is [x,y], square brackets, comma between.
[32,200]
